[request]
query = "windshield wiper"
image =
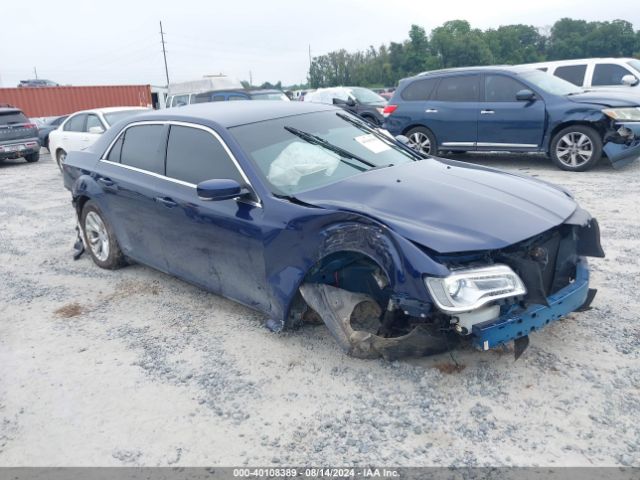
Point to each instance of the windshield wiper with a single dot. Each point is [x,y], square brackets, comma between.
[365,127]
[316,140]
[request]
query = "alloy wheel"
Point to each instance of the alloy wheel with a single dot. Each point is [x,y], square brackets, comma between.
[574,149]
[97,236]
[420,142]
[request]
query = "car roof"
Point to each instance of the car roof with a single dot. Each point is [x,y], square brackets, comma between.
[446,71]
[10,110]
[232,114]
[108,110]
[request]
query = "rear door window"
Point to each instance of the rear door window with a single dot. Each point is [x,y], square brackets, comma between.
[75,124]
[419,89]
[572,73]
[195,155]
[458,89]
[608,74]
[499,88]
[143,148]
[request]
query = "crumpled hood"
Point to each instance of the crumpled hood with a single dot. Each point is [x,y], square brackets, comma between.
[606,98]
[449,206]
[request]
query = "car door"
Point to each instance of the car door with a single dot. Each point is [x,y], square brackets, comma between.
[215,244]
[131,177]
[505,123]
[452,111]
[72,132]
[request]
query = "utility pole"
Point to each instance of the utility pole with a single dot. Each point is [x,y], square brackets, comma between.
[309,57]
[35,72]
[250,79]
[164,54]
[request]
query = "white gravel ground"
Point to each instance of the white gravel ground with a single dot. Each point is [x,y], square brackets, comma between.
[138,368]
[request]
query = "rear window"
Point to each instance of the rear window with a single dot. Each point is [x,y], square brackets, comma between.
[143,148]
[115,117]
[458,89]
[419,89]
[572,73]
[15,116]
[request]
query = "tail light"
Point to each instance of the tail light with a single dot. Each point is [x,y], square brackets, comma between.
[389,109]
[29,125]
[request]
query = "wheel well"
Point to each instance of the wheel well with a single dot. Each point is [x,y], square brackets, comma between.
[350,270]
[597,127]
[411,127]
[58,150]
[80,202]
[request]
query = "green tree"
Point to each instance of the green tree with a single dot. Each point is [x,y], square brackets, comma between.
[513,44]
[456,44]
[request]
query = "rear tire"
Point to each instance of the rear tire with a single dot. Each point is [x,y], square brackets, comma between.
[32,157]
[576,148]
[61,155]
[422,140]
[99,238]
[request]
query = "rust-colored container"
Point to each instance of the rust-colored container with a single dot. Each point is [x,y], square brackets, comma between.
[52,101]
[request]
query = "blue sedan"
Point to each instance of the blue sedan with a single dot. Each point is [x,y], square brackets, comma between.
[301,210]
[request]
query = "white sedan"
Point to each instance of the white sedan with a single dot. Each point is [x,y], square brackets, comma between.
[83,128]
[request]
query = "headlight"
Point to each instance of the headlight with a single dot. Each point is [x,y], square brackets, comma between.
[631,114]
[471,288]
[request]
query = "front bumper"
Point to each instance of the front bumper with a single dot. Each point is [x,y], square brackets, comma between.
[621,153]
[511,326]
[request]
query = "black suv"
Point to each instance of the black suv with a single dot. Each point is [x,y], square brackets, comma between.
[18,136]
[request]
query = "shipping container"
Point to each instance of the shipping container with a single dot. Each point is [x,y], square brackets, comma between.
[53,101]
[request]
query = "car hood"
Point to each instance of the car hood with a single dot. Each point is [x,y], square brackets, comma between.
[449,206]
[607,99]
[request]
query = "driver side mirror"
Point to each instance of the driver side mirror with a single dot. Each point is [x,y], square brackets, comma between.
[219,189]
[525,95]
[351,102]
[629,80]
[97,130]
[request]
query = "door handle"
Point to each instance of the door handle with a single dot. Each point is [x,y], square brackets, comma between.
[166,201]
[431,110]
[108,184]
[487,112]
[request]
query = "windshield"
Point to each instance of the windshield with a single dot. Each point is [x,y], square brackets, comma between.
[635,64]
[290,164]
[270,96]
[115,117]
[364,95]
[550,84]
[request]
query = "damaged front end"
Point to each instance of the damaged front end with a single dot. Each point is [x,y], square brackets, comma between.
[622,141]
[490,297]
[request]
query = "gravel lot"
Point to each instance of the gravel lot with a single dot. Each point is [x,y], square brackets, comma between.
[133,367]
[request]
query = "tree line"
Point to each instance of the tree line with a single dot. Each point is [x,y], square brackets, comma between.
[456,44]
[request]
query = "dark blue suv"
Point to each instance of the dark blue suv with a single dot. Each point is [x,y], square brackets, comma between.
[515,109]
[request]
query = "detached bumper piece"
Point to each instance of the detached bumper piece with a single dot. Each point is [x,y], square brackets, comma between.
[512,326]
[622,150]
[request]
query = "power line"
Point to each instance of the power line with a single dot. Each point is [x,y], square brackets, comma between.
[164,54]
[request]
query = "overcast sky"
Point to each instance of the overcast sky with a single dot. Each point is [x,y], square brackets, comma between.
[118,41]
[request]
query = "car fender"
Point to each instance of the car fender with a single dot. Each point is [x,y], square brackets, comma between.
[560,118]
[402,261]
